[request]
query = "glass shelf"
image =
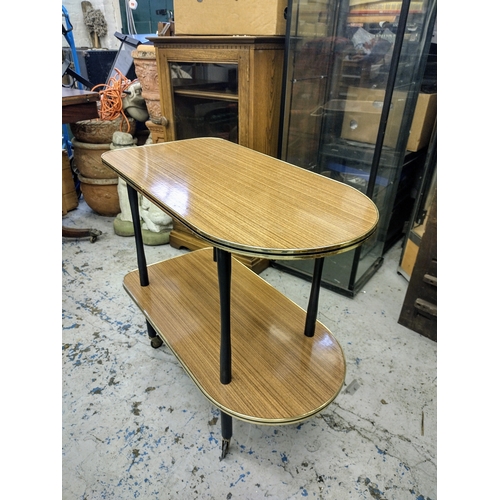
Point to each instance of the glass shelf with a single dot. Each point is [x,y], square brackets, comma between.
[205,97]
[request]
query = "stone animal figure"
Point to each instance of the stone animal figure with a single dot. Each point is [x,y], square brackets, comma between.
[152,218]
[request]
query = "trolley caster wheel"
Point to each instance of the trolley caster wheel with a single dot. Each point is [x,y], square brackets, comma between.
[156,342]
[225,448]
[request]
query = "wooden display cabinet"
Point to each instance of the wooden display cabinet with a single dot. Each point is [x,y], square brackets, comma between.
[220,86]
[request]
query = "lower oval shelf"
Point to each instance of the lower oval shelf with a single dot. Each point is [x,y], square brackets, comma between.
[279,375]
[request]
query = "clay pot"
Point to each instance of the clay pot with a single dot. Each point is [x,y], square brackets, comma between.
[147,73]
[97,131]
[87,160]
[69,196]
[101,195]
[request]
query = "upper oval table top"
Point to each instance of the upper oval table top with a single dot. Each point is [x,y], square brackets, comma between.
[244,201]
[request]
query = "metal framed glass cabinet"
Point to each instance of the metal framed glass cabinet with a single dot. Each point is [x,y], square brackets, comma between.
[354,110]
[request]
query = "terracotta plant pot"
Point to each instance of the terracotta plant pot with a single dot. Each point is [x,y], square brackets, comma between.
[101,195]
[147,73]
[87,160]
[97,131]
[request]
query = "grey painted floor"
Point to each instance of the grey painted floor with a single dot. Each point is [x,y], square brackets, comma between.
[135,425]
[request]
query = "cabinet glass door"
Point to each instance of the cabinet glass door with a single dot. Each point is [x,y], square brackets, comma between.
[205,100]
[353,75]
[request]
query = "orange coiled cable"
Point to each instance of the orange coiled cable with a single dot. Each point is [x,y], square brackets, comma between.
[111,98]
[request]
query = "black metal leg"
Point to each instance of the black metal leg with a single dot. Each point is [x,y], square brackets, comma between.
[223,260]
[153,337]
[224,273]
[139,246]
[141,257]
[227,432]
[312,308]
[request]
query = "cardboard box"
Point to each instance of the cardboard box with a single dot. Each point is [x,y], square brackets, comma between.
[230,17]
[410,251]
[363,109]
[423,122]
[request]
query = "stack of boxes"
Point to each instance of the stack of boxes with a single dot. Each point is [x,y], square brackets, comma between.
[313,18]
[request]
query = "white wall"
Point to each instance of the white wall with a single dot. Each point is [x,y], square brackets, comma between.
[111,12]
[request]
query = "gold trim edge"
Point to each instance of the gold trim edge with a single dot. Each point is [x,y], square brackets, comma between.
[232,413]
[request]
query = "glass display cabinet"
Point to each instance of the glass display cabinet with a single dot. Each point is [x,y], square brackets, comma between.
[221,86]
[355,110]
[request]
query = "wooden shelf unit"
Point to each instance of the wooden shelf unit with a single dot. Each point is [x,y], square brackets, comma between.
[276,367]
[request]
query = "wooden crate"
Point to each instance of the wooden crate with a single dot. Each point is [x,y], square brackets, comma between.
[419,311]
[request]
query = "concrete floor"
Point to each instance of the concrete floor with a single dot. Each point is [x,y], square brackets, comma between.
[135,425]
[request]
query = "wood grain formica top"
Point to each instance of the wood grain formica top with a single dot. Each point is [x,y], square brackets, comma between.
[244,201]
[279,376]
